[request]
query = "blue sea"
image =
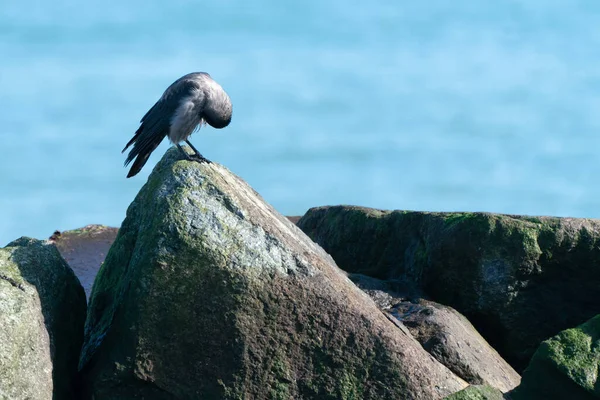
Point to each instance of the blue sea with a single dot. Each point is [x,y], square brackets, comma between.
[441,105]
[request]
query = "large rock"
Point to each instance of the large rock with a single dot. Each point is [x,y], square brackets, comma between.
[519,280]
[42,311]
[565,366]
[443,332]
[208,292]
[453,341]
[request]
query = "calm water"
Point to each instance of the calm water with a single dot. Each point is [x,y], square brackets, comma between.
[438,105]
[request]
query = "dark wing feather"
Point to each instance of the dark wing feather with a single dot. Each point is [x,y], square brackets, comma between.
[156,123]
[147,138]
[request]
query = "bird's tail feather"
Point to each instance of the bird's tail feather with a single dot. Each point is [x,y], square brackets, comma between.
[145,141]
[138,164]
[131,141]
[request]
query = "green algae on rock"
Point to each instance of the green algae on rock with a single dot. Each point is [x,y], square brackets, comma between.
[477,392]
[208,292]
[565,366]
[518,279]
[42,311]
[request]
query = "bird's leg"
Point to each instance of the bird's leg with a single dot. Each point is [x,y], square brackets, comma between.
[199,157]
[185,154]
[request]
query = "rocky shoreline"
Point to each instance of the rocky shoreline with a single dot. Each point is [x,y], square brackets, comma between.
[207,292]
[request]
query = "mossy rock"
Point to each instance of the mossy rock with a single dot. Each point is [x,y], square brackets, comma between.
[42,311]
[518,279]
[209,293]
[565,366]
[477,392]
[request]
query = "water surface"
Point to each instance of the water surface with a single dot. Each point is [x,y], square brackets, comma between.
[462,106]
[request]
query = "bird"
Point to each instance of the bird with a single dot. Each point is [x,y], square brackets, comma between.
[188,103]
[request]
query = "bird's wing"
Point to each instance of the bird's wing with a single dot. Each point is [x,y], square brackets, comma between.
[156,122]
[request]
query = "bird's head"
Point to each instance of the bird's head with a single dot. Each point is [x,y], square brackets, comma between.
[219,109]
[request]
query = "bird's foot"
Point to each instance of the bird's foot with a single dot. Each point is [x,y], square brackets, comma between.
[199,158]
[196,156]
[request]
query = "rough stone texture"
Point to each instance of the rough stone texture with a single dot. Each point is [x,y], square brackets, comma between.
[477,392]
[565,366]
[519,280]
[42,311]
[208,292]
[443,332]
[453,341]
[84,249]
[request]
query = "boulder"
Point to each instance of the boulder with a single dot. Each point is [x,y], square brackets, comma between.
[453,341]
[565,366]
[208,292]
[443,332]
[84,249]
[477,392]
[519,280]
[42,312]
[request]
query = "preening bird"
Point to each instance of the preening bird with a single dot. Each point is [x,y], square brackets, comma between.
[191,101]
